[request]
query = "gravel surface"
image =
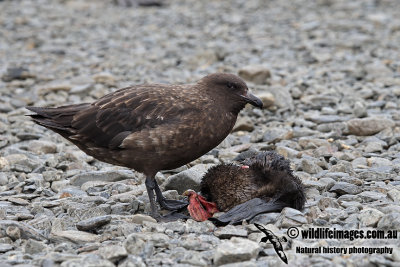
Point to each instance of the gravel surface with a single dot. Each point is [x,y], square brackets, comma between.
[327,71]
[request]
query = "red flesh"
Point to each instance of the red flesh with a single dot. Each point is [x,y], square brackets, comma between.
[199,208]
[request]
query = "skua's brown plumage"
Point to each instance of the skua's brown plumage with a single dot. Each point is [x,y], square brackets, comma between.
[153,127]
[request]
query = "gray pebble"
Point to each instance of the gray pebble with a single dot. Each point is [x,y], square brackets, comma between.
[389,221]
[93,223]
[331,97]
[257,74]
[5,247]
[113,253]
[369,196]
[188,179]
[229,231]
[368,126]
[342,188]
[290,217]
[235,250]
[34,247]
[108,176]
[370,217]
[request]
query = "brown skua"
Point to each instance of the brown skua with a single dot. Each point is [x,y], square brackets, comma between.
[153,127]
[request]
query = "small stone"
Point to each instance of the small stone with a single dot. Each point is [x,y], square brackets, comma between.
[93,184]
[396,254]
[310,166]
[132,261]
[325,151]
[136,245]
[267,98]
[188,179]
[24,216]
[3,178]
[370,217]
[319,100]
[273,135]
[351,180]
[176,226]
[5,247]
[360,109]
[57,186]
[290,217]
[42,147]
[283,98]
[265,218]
[368,126]
[327,202]
[13,232]
[342,188]
[65,195]
[312,143]
[351,204]
[337,127]
[93,223]
[243,124]
[18,201]
[342,166]
[34,247]
[4,164]
[226,156]
[108,176]
[194,259]
[17,73]
[90,260]
[50,204]
[56,86]
[190,242]
[140,218]
[235,250]
[327,182]
[121,208]
[257,74]
[376,162]
[16,230]
[78,237]
[229,231]
[244,264]
[369,196]
[104,78]
[83,211]
[99,199]
[158,239]
[394,195]
[287,152]
[389,221]
[361,161]
[312,193]
[377,174]
[51,176]
[377,69]
[208,159]
[296,92]
[313,184]
[193,226]
[373,147]
[113,253]
[81,89]
[327,118]
[354,198]
[21,163]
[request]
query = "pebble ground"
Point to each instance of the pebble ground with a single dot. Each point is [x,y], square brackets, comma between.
[327,71]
